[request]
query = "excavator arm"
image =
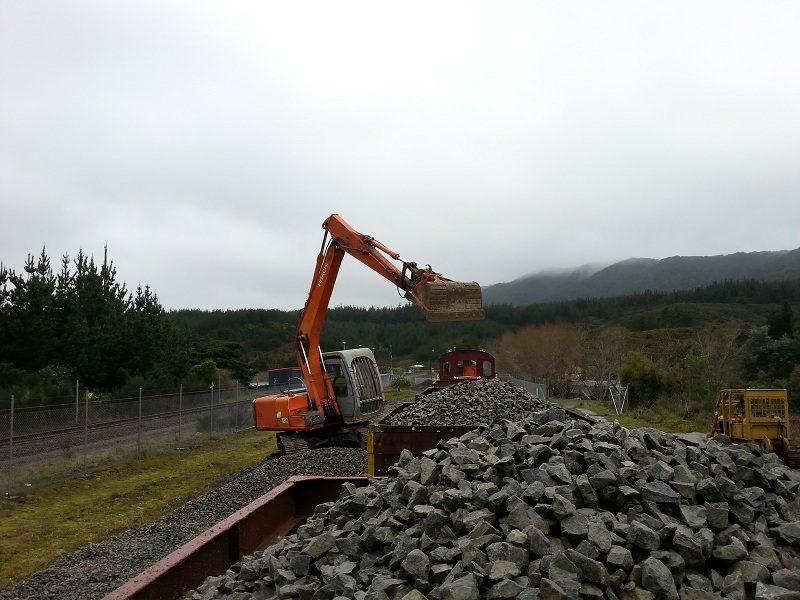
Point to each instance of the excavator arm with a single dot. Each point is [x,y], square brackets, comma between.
[441,299]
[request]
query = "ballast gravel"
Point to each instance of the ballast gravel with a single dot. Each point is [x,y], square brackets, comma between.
[470,403]
[97,569]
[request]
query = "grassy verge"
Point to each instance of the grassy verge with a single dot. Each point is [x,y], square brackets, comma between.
[62,517]
[402,395]
[652,416]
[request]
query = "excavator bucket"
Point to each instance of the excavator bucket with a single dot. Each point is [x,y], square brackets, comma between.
[445,300]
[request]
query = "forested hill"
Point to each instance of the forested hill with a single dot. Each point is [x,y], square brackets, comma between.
[81,324]
[267,335]
[643,274]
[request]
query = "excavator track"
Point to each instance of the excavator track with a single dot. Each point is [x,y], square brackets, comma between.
[291,443]
[351,435]
[334,437]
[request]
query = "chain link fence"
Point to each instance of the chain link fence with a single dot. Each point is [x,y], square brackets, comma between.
[537,389]
[45,444]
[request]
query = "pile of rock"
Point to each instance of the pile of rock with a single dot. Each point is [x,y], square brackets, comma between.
[547,508]
[470,403]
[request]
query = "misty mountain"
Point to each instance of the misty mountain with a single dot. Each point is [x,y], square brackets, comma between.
[641,274]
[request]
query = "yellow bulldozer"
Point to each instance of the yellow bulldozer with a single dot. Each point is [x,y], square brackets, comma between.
[757,415]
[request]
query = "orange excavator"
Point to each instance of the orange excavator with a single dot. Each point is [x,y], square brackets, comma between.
[343,388]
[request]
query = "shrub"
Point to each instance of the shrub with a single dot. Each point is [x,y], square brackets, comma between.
[643,378]
[401,383]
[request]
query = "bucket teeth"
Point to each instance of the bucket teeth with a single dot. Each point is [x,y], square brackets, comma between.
[445,300]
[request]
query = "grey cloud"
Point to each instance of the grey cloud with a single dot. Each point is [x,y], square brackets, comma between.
[206,143]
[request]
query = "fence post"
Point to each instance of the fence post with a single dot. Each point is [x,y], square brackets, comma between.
[85,432]
[139,428]
[236,409]
[10,450]
[212,410]
[180,412]
[77,418]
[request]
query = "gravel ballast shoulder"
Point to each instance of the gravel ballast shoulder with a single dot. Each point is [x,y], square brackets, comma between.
[97,569]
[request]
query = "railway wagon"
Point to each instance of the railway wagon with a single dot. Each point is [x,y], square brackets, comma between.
[462,365]
[277,513]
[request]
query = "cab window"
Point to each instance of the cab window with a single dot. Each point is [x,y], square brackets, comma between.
[338,380]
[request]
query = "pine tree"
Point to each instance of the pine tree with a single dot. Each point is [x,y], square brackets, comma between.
[782,323]
[31,321]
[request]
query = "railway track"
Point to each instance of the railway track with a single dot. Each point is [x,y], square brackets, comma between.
[27,439]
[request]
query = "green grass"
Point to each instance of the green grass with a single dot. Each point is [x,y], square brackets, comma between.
[658,417]
[71,461]
[62,517]
[402,395]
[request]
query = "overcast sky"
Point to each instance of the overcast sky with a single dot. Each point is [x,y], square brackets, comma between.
[205,143]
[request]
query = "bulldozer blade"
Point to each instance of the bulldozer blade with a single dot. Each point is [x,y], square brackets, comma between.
[445,300]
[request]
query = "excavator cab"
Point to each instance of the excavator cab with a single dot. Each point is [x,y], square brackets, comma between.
[446,300]
[356,382]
